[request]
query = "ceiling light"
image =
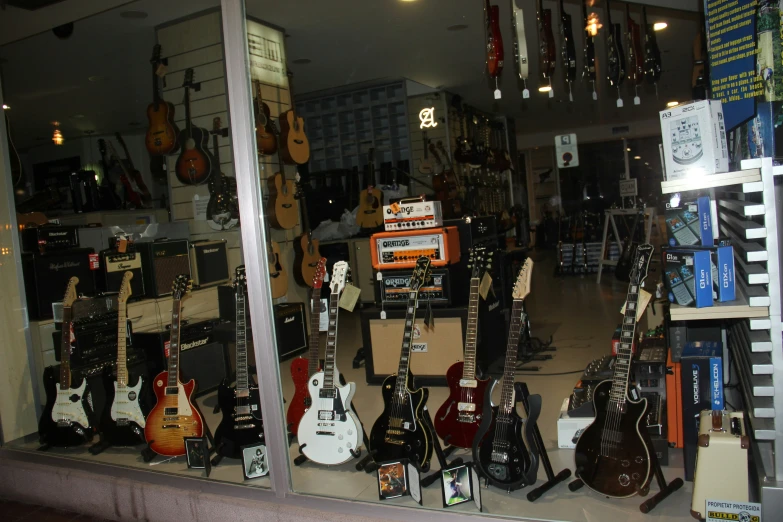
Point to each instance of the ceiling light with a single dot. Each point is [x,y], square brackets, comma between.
[458,27]
[660,26]
[593,24]
[646,163]
[302,61]
[545,88]
[628,149]
[637,157]
[6,107]
[57,136]
[134,15]
[672,104]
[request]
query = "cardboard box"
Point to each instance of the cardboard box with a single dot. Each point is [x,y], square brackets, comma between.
[689,223]
[694,140]
[570,428]
[688,277]
[722,262]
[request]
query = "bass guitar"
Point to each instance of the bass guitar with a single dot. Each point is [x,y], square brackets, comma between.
[615,59]
[546,43]
[122,422]
[399,432]
[222,209]
[194,164]
[370,213]
[329,432]
[504,450]
[612,457]
[652,54]
[283,207]
[174,416]
[306,251]
[302,368]
[293,143]
[66,416]
[459,417]
[567,49]
[635,56]
[266,140]
[161,136]
[242,423]
[520,46]
[494,41]
[589,71]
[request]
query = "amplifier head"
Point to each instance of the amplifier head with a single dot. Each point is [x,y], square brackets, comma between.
[392,250]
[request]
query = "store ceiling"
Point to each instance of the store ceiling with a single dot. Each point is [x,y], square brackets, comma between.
[98,79]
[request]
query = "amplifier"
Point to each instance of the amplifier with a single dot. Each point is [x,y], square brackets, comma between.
[113,268]
[290,329]
[412,216]
[161,262]
[394,288]
[38,239]
[95,342]
[402,249]
[209,262]
[474,231]
[46,277]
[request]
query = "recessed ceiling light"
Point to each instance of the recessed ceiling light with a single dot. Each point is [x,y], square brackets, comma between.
[458,27]
[628,149]
[134,15]
[303,61]
[637,157]
[545,88]
[672,104]
[660,26]
[6,107]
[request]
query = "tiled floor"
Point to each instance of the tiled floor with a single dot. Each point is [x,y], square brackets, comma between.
[14,511]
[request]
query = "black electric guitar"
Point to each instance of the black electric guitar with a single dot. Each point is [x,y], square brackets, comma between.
[588,73]
[652,54]
[242,423]
[615,57]
[66,416]
[504,450]
[567,48]
[399,432]
[612,458]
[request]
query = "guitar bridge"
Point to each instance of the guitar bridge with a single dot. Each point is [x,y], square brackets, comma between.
[500,457]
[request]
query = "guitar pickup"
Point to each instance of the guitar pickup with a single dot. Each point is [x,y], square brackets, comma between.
[242,393]
[170,411]
[170,426]
[243,410]
[324,433]
[172,390]
[325,415]
[468,383]
[466,406]
[500,457]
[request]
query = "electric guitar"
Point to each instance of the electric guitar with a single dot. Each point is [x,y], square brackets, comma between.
[635,57]
[66,416]
[589,72]
[615,59]
[504,450]
[399,432]
[652,54]
[242,423]
[459,417]
[612,457]
[329,431]
[278,277]
[520,43]
[283,207]
[174,416]
[194,163]
[302,368]
[567,48]
[161,136]
[494,41]
[370,213]
[266,140]
[122,422]
[306,251]
[293,142]
[133,192]
[222,210]
[546,42]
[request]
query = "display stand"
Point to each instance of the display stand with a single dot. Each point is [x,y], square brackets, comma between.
[649,216]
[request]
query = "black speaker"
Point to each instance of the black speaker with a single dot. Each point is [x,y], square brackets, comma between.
[162,261]
[113,268]
[290,329]
[46,277]
[209,262]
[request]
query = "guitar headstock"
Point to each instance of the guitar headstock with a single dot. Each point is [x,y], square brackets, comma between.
[522,286]
[125,287]
[639,271]
[240,279]
[155,55]
[181,286]
[216,125]
[189,76]
[479,261]
[320,272]
[340,272]
[421,273]
[70,292]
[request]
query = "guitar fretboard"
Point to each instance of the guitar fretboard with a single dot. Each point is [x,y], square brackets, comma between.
[405,353]
[331,343]
[122,361]
[173,367]
[509,370]
[622,366]
[243,379]
[315,326]
[65,350]
[469,366]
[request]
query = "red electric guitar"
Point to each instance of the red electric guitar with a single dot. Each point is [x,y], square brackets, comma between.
[460,416]
[302,368]
[494,40]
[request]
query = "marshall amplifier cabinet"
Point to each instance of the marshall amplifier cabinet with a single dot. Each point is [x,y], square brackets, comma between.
[161,262]
[46,277]
[394,288]
[290,329]
[113,268]
[392,250]
[209,263]
[412,216]
[39,239]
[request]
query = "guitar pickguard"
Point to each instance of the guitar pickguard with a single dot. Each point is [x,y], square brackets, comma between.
[126,404]
[68,407]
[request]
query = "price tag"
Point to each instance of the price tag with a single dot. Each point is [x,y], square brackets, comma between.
[200,204]
[350,297]
[486,284]
[383,314]
[595,96]
[619,102]
[161,70]
[95,262]
[497,94]
[122,246]
[641,303]
[395,208]
[323,317]
[637,100]
[526,94]
[570,96]
[551,93]
[378,277]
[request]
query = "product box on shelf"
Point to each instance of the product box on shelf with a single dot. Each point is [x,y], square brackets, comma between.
[570,428]
[694,140]
[689,223]
[688,277]
[722,261]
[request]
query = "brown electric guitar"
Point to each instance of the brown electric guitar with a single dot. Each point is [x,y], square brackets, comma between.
[293,141]
[370,213]
[306,248]
[278,277]
[162,132]
[174,416]
[282,207]
[265,133]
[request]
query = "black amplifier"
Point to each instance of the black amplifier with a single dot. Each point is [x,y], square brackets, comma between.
[113,268]
[394,288]
[209,262]
[39,239]
[290,329]
[161,262]
[95,342]
[474,231]
[46,277]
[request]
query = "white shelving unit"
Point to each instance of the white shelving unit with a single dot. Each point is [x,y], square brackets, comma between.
[748,214]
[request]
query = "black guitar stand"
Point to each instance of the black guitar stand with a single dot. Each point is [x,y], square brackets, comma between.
[521,394]
[439,453]
[532,347]
[665,489]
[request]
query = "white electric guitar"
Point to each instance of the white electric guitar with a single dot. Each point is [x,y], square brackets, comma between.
[329,432]
[520,45]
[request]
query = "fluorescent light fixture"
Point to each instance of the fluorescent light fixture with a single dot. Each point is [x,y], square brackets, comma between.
[660,26]
[637,157]
[545,88]
[672,104]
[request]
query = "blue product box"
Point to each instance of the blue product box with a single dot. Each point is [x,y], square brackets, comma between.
[689,223]
[688,277]
[722,260]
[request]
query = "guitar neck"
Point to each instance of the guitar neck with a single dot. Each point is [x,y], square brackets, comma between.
[622,366]
[173,367]
[405,352]
[312,359]
[243,377]
[469,366]
[216,151]
[65,350]
[155,88]
[122,360]
[330,373]
[188,123]
[507,395]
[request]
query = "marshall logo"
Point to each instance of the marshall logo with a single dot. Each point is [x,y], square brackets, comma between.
[210,251]
[396,243]
[193,344]
[65,264]
[289,319]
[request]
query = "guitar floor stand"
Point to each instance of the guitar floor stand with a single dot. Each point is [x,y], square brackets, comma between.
[532,348]
[439,453]
[665,489]
[521,393]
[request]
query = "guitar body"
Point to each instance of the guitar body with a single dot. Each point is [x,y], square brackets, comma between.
[265,135]
[568,49]
[370,213]
[283,206]
[635,57]
[306,259]
[546,40]
[324,441]
[194,164]
[241,424]
[301,399]
[495,53]
[122,402]
[614,469]
[460,427]
[278,277]
[652,56]
[294,145]
[615,63]
[165,433]
[161,137]
[66,416]
[413,442]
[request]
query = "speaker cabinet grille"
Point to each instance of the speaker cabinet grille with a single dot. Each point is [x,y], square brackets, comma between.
[166,270]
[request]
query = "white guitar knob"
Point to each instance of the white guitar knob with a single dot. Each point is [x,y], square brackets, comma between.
[340,437]
[350,432]
[339,450]
[349,445]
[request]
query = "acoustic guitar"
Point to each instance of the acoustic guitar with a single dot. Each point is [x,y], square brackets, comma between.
[161,137]
[194,164]
[652,54]
[293,141]
[282,206]
[370,213]
[266,140]
[278,276]
[305,246]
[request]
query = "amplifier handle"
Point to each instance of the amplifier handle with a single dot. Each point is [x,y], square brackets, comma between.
[413,199]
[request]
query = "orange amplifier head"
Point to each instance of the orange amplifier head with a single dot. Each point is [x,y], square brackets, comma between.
[402,249]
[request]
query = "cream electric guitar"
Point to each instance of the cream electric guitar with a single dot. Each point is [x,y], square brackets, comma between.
[520,45]
[329,432]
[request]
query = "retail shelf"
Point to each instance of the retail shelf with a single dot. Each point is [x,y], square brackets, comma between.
[730,310]
[743,208]
[744,229]
[712,181]
[751,273]
[760,323]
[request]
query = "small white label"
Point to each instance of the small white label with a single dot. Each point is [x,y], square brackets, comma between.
[637,100]
[383,314]
[619,102]
[570,96]
[419,347]
[525,94]
[551,93]
[595,96]
[497,94]
[200,204]
[378,277]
